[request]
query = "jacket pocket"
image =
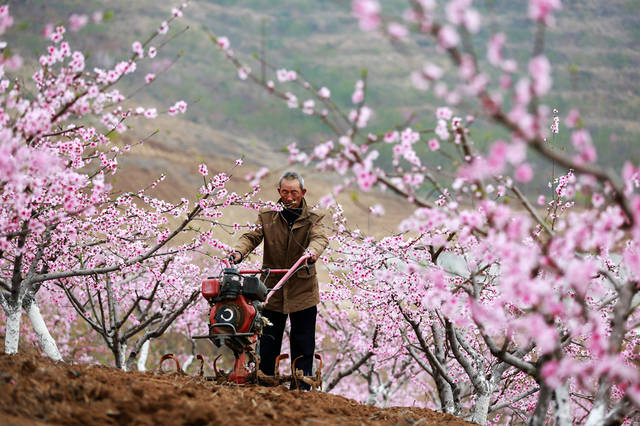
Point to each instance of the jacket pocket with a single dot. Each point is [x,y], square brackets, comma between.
[307,272]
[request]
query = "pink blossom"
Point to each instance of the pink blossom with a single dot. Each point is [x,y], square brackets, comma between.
[292,101]
[471,20]
[444,113]
[597,200]
[137,49]
[181,106]
[6,20]
[76,22]
[397,31]
[152,52]
[540,71]
[223,42]
[434,144]
[419,81]
[573,118]
[540,10]
[448,37]
[494,51]
[202,168]
[286,75]
[580,139]
[176,12]
[631,256]
[409,136]
[391,136]
[524,173]
[365,178]
[243,72]
[47,31]
[497,156]
[432,71]
[552,374]
[368,13]
[307,106]
[358,94]
[442,130]
[377,210]
[151,113]
[523,91]
[149,78]
[324,93]
[363,117]
[321,151]
[164,27]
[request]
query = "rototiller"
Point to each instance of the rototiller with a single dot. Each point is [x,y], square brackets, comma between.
[237,298]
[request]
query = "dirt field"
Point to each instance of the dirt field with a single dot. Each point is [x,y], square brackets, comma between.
[35,391]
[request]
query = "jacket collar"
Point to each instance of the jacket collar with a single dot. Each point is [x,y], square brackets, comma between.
[303,214]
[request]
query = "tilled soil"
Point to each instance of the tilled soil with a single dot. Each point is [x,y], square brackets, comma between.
[36,391]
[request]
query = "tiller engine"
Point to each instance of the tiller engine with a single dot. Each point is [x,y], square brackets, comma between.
[237,298]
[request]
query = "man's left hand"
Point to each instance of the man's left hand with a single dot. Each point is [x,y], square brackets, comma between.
[312,259]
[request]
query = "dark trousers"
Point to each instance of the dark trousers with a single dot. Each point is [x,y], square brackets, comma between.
[302,340]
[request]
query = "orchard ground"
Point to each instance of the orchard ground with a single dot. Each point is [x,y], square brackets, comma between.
[36,390]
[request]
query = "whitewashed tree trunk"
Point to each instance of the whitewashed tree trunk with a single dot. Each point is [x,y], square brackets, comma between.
[46,341]
[561,406]
[123,356]
[481,408]
[142,358]
[597,415]
[188,363]
[12,333]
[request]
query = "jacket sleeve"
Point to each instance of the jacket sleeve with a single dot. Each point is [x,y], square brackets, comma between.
[318,236]
[250,240]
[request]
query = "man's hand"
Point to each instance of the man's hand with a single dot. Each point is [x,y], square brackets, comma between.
[312,259]
[235,257]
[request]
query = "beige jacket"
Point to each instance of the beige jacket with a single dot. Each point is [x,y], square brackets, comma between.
[283,246]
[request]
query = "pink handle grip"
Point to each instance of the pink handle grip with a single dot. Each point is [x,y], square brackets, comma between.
[283,280]
[257,271]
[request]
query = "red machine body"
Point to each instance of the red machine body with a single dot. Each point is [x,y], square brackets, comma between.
[210,288]
[235,318]
[239,311]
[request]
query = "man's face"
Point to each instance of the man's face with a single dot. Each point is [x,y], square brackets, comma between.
[291,193]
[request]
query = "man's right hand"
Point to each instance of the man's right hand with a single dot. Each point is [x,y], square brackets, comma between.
[235,257]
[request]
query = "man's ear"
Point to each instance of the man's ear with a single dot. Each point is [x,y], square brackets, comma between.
[304,191]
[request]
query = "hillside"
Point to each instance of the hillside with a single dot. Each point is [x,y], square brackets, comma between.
[593,46]
[35,390]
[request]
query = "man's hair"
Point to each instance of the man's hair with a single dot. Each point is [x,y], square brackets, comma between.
[291,176]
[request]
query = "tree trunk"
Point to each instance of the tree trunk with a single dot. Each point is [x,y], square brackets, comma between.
[46,341]
[119,351]
[561,406]
[597,415]
[123,356]
[540,413]
[12,333]
[142,358]
[481,408]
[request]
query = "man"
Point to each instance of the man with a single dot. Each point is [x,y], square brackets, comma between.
[287,235]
